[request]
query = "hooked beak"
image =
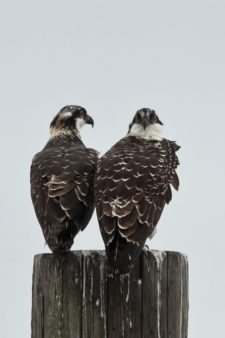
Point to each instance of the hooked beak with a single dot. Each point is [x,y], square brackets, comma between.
[89,120]
[145,122]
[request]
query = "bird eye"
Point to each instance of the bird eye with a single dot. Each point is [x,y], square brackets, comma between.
[154,118]
[82,113]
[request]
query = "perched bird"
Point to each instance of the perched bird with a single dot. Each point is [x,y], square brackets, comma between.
[133,184]
[62,179]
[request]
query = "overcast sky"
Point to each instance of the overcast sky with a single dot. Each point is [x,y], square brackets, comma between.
[114,57]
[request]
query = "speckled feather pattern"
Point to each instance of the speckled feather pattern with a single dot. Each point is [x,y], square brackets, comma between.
[132,186]
[62,191]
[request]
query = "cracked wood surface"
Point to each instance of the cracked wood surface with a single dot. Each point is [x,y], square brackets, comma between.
[73,297]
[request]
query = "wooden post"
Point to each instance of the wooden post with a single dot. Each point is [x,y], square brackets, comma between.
[73,298]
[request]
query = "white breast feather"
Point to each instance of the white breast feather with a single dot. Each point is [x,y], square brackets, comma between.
[152,132]
[79,123]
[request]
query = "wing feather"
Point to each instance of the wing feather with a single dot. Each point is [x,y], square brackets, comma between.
[62,189]
[132,186]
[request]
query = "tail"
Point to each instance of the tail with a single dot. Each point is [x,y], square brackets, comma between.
[122,255]
[60,238]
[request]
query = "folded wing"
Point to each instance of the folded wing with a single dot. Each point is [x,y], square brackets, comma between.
[62,192]
[132,187]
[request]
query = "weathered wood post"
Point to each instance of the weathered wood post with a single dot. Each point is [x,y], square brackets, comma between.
[73,297]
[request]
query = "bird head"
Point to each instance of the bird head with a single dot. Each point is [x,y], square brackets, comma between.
[146,124]
[70,119]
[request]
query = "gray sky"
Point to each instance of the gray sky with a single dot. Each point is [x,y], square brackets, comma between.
[114,57]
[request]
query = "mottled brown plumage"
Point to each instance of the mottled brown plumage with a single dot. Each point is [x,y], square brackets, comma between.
[62,181]
[132,187]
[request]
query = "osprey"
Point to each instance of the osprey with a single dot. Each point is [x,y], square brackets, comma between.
[133,184]
[62,177]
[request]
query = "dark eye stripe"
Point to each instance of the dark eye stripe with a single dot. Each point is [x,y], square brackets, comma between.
[154,118]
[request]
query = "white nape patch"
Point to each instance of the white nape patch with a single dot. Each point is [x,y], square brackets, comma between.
[152,132]
[65,115]
[79,123]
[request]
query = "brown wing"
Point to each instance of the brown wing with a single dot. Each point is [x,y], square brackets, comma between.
[132,187]
[62,191]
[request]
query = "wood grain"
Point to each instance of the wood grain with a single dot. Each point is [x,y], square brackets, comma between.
[73,297]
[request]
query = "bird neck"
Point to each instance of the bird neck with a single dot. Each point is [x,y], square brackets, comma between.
[152,132]
[64,133]
[64,136]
